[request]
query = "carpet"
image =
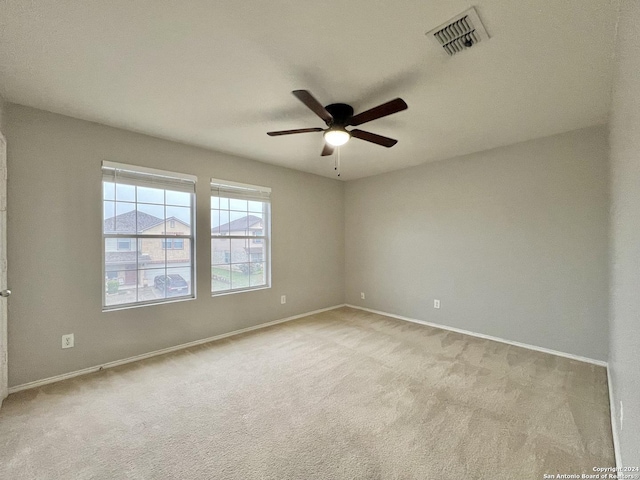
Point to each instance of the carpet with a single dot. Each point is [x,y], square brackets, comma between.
[343,394]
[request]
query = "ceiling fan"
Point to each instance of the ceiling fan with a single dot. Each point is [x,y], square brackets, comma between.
[338,116]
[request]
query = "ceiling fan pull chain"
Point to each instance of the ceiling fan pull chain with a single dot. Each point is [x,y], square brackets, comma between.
[338,161]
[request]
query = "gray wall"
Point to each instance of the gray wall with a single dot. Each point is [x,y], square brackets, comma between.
[625,233]
[54,246]
[2,115]
[513,241]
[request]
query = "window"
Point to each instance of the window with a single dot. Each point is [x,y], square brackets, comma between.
[173,244]
[240,237]
[148,239]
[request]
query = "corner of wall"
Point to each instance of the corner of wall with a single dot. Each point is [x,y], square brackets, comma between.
[2,114]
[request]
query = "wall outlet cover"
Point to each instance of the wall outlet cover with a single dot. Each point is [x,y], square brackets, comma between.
[436,304]
[67,341]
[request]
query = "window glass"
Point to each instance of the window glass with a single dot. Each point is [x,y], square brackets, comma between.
[240,242]
[147,235]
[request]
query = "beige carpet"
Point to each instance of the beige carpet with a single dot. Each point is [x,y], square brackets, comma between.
[343,394]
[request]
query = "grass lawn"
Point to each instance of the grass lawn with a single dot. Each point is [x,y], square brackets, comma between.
[234,279]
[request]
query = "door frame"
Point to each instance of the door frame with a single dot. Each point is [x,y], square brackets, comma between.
[4,346]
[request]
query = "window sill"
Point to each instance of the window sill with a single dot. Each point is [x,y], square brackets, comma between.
[244,290]
[116,308]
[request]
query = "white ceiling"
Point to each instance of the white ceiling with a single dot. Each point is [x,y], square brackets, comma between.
[218,74]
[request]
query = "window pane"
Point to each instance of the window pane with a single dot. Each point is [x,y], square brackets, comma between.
[220,251]
[124,244]
[125,218]
[151,254]
[239,250]
[224,203]
[235,204]
[116,257]
[238,223]
[151,195]
[215,202]
[179,281]
[108,191]
[258,275]
[256,252]
[256,207]
[220,278]
[125,193]
[120,286]
[177,227]
[109,213]
[215,221]
[178,257]
[150,219]
[222,227]
[240,275]
[178,198]
[148,289]
[182,217]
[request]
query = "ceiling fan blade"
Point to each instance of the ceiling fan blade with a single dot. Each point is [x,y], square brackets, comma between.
[327,150]
[373,138]
[316,107]
[380,111]
[289,132]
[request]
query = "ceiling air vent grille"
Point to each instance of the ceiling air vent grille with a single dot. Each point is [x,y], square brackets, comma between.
[461,32]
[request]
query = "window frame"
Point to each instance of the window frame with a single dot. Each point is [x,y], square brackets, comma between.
[137,238]
[250,236]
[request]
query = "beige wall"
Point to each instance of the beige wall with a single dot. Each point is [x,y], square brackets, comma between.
[625,234]
[54,242]
[513,241]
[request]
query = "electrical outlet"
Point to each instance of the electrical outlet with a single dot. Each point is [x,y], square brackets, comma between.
[436,304]
[67,341]
[283,299]
[362,295]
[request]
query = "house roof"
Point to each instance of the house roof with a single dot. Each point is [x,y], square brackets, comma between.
[242,223]
[126,222]
[125,257]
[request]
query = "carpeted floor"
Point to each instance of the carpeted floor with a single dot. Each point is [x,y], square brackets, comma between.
[343,394]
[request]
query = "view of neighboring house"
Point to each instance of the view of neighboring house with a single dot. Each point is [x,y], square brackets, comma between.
[123,260]
[236,252]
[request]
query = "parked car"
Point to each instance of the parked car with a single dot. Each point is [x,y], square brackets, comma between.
[172,284]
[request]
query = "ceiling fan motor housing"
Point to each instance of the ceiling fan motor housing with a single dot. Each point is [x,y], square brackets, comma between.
[341,113]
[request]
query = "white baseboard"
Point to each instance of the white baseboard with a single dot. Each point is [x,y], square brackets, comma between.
[600,363]
[84,371]
[614,424]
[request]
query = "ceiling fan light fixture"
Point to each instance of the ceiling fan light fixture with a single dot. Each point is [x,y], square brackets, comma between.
[337,136]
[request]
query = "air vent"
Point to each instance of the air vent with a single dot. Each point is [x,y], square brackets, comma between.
[461,32]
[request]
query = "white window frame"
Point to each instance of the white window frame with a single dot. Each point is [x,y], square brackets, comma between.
[159,179]
[245,191]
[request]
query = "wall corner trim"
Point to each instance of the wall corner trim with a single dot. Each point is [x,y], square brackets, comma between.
[600,363]
[155,353]
[614,425]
